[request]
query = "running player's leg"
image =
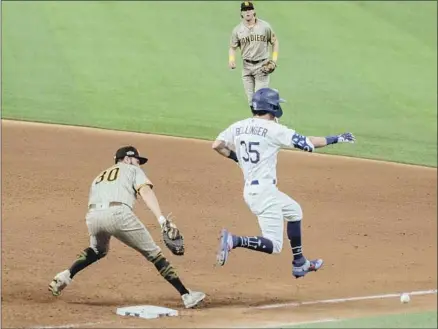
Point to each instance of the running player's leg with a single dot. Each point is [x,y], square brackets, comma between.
[134,234]
[263,203]
[293,215]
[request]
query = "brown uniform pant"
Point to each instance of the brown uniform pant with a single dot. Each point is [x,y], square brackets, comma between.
[253,79]
[123,224]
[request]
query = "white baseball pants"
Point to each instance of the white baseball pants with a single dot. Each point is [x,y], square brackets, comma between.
[272,207]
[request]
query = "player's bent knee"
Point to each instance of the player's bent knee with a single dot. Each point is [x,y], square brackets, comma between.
[278,246]
[296,216]
[152,255]
[96,253]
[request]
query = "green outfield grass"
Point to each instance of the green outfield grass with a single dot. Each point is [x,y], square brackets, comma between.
[406,320]
[161,67]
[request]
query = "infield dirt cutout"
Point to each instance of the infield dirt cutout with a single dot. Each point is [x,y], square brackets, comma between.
[374,224]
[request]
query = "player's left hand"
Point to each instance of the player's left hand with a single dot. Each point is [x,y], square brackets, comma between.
[172,237]
[346,138]
[269,66]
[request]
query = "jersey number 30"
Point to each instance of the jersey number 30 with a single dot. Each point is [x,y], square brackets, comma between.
[252,154]
[108,175]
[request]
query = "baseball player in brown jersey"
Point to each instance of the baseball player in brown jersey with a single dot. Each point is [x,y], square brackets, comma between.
[110,213]
[253,37]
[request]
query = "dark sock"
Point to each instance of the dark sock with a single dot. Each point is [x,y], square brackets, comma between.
[256,243]
[168,272]
[294,235]
[86,258]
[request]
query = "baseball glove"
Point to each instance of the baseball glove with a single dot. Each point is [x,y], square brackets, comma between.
[172,237]
[269,66]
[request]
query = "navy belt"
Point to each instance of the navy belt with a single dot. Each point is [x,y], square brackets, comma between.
[256,182]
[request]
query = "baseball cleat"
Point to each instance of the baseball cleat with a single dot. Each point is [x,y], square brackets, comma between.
[59,282]
[225,246]
[193,298]
[308,266]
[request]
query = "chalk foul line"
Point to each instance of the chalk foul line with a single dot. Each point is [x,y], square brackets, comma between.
[343,300]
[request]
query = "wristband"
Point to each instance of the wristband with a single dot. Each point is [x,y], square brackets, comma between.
[331,140]
[274,56]
[231,58]
[233,156]
[162,220]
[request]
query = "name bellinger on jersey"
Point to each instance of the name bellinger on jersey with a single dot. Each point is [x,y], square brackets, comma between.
[257,142]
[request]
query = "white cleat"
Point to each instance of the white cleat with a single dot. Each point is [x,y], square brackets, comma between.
[193,298]
[59,282]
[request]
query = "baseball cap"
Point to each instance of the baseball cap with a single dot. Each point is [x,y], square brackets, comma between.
[129,151]
[246,5]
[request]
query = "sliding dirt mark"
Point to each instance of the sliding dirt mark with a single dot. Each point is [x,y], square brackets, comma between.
[374,223]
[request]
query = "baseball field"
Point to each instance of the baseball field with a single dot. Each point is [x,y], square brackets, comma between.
[154,75]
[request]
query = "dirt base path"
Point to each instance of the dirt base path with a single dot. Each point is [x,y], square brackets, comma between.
[374,223]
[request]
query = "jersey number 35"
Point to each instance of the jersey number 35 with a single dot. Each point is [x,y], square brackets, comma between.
[250,150]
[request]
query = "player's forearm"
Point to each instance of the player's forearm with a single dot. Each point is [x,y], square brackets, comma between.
[232,54]
[151,201]
[318,142]
[219,147]
[275,48]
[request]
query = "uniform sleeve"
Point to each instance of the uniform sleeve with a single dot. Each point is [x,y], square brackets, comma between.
[140,180]
[234,40]
[227,136]
[291,139]
[270,34]
[284,136]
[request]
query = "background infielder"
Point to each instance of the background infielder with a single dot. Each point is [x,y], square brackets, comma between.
[253,37]
[254,143]
[111,200]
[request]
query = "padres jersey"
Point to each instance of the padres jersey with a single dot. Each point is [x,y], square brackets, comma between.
[256,143]
[119,183]
[253,41]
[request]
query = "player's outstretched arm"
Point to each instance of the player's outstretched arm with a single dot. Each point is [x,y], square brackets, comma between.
[151,201]
[319,142]
[220,147]
[311,142]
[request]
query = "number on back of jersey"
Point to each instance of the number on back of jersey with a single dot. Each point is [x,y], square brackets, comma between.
[250,151]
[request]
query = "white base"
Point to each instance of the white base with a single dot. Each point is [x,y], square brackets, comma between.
[146,311]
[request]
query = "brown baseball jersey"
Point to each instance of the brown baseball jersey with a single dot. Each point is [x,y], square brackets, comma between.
[119,183]
[253,41]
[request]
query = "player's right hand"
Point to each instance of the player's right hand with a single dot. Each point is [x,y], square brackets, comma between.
[346,138]
[232,65]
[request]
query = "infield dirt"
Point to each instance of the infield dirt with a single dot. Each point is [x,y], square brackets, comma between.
[374,223]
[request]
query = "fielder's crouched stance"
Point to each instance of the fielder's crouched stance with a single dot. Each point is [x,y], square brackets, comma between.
[111,200]
[254,144]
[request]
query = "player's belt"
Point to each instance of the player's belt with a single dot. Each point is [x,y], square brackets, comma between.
[106,205]
[254,62]
[256,182]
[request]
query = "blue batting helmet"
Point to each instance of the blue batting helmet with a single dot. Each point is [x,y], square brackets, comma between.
[267,100]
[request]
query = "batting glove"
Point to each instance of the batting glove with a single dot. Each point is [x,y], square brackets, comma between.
[346,138]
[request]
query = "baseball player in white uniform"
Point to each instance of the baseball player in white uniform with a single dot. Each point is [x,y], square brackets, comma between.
[110,213]
[254,144]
